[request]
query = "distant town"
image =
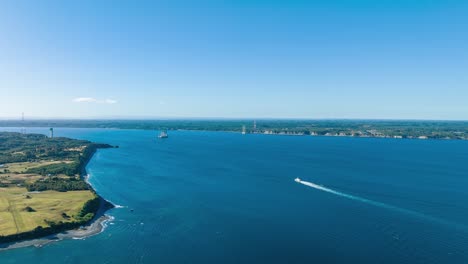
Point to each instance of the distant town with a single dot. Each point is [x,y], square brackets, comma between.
[399,129]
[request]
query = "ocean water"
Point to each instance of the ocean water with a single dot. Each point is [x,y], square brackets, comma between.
[213,197]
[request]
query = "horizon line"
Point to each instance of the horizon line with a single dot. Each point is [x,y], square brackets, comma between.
[142,118]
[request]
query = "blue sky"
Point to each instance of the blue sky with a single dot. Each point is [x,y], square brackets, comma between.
[234,59]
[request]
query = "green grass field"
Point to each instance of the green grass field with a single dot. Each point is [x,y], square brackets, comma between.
[20,167]
[48,205]
[16,171]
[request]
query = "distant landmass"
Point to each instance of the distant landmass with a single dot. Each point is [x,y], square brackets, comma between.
[356,128]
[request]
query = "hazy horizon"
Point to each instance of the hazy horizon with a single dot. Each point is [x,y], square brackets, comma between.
[214,118]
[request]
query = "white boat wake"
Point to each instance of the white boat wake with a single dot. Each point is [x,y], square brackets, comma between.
[349,196]
[382,205]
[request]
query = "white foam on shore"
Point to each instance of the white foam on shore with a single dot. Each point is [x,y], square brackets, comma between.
[103,225]
[383,205]
[106,223]
[86,178]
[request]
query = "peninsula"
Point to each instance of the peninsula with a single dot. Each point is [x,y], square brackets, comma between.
[42,191]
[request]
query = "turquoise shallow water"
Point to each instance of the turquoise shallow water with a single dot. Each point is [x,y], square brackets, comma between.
[211,197]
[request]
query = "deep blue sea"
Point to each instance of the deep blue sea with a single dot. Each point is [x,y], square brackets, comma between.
[214,197]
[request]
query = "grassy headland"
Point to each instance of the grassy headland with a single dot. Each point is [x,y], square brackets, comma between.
[41,190]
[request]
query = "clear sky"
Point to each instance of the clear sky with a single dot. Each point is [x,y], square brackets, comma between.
[401,59]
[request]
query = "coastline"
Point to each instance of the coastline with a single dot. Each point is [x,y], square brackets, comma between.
[93,227]
[97,226]
[428,135]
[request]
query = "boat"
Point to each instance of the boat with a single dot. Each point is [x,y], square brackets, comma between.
[163,134]
[297,180]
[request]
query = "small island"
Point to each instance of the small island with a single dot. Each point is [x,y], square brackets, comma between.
[42,188]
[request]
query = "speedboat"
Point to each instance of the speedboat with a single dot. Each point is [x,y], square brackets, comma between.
[297,180]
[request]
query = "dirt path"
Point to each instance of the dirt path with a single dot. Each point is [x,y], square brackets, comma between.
[13,215]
